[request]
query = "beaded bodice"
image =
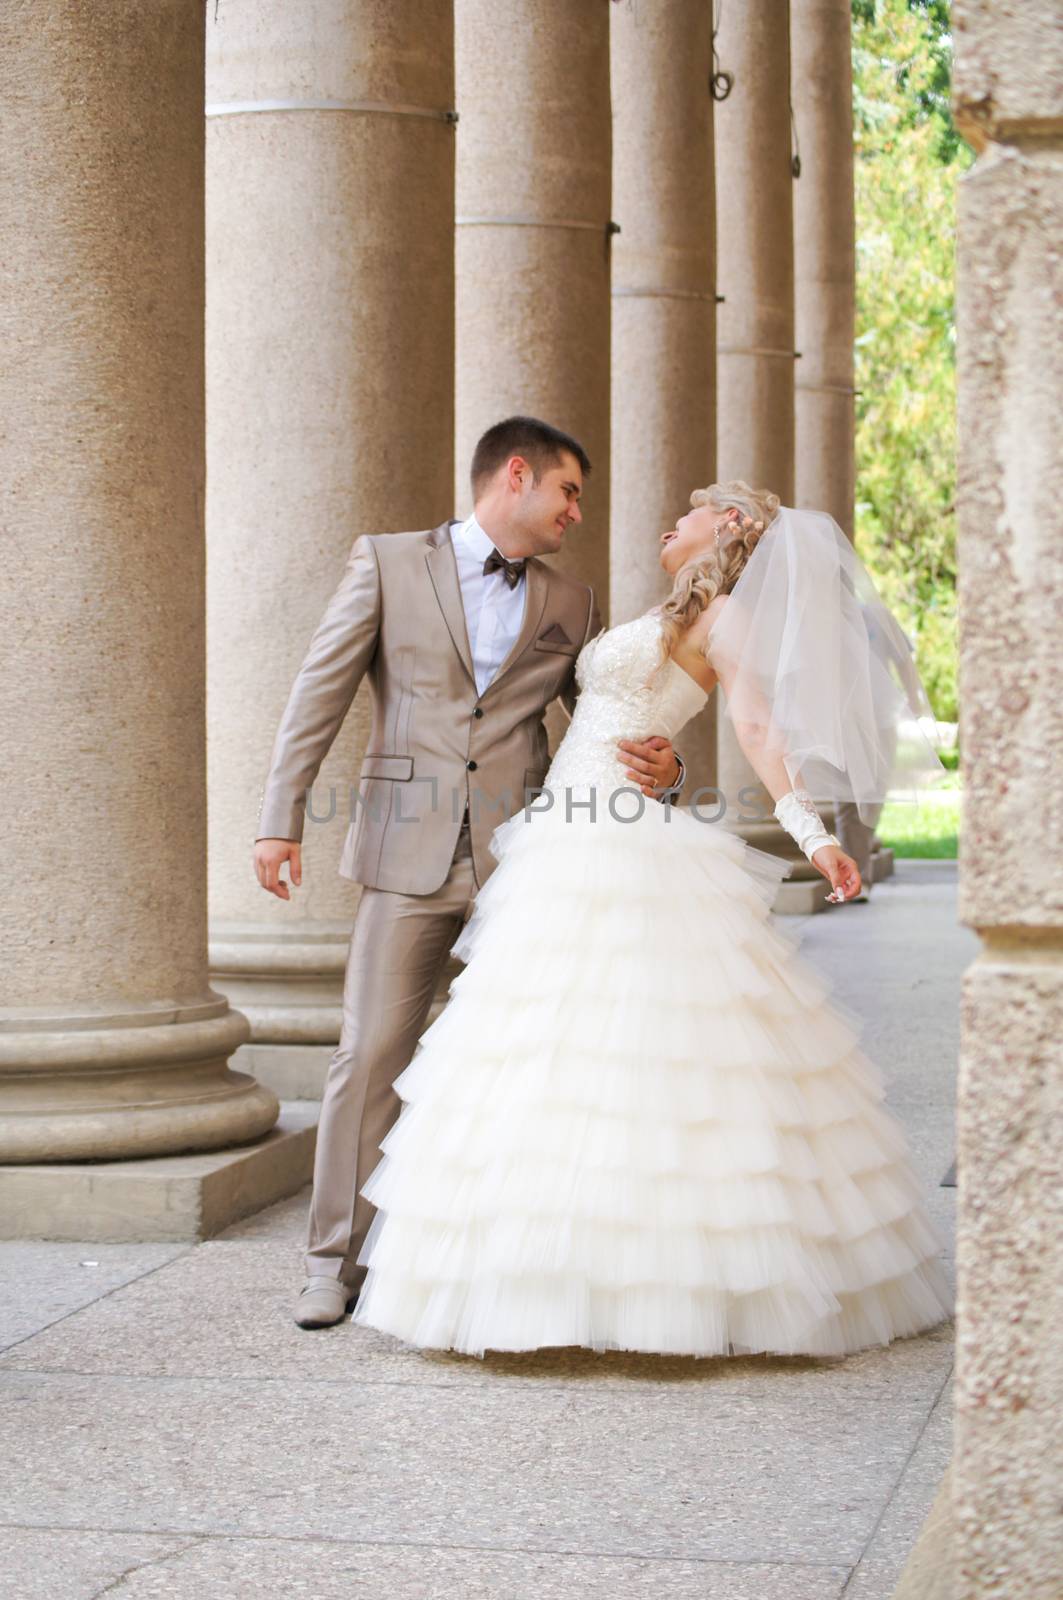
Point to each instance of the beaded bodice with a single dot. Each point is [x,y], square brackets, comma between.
[621,696]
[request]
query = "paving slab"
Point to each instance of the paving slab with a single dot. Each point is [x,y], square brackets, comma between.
[879,1570]
[224,1310]
[78,1563]
[536,1469]
[44,1281]
[70,1565]
[169,1431]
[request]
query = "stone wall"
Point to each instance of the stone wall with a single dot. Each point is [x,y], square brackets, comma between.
[1009,1380]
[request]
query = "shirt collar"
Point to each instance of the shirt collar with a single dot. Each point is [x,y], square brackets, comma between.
[475,539]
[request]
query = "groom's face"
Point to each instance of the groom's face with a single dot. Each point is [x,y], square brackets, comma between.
[546,508]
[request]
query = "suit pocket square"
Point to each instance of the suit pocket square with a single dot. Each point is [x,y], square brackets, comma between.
[555,635]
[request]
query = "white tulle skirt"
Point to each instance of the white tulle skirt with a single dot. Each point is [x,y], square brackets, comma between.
[639,1123]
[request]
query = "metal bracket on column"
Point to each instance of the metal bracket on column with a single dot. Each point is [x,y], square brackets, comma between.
[535,222]
[606,229]
[757,350]
[241,108]
[662,294]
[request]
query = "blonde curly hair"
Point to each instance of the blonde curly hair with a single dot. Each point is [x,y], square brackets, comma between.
[717,571]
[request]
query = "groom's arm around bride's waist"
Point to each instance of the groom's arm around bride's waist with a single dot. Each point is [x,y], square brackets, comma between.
[336,660]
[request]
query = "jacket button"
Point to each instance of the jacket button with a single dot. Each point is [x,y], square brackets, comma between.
[471,765]
[478,712]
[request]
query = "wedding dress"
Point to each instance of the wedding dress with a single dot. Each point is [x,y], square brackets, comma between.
[639,1123]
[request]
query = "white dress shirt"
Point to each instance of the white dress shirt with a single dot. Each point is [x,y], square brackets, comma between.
[493,611]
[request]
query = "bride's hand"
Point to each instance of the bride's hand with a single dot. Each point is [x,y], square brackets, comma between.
[840,869]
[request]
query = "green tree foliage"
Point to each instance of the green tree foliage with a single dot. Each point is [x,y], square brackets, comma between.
[908,160]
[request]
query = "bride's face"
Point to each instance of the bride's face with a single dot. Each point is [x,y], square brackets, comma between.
[693,535]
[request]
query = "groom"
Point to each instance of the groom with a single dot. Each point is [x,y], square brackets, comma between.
[467,636]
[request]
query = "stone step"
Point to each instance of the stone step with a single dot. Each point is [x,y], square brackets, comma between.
[160,1198]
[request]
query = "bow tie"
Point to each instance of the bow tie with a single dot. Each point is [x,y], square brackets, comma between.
[512,571]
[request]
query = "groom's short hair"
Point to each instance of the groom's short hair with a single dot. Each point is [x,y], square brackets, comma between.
[541,445]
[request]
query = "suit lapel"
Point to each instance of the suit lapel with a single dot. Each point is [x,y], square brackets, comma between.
[443,571]
[537,587]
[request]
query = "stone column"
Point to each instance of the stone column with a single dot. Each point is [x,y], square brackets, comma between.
[330,372]
[112,1042]
[1009,1373]
[533,239]
[664,311]
[755,251]
[824,256]
[755,338]
[821,92]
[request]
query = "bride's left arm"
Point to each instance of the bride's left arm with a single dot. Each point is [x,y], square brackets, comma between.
[753,735]
[762,748]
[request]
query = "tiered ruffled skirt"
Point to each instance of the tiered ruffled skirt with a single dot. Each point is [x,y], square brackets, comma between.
[639,1123]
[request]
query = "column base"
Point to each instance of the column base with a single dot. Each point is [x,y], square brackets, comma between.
[116,1084]
[162,1199]
[298,1071]
[289,985]
[802,899]
[930,1571]
[292,1071]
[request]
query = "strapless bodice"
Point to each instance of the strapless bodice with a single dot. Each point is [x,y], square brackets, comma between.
[624,694]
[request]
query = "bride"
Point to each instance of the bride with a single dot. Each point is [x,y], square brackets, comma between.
[639,1123]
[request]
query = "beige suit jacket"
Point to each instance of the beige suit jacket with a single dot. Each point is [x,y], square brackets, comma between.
[436,744]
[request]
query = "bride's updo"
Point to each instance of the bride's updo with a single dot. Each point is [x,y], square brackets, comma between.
[716,571]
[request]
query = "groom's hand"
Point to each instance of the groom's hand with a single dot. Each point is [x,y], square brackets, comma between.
[652,764]
[270,856]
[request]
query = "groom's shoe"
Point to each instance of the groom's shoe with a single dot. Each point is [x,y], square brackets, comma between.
[323,1301]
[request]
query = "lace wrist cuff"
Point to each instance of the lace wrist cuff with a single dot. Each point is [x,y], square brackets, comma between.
[797,813]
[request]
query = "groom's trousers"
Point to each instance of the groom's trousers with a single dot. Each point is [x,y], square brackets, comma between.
[398,950]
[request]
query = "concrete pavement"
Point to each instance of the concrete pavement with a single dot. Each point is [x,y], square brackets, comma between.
[170,1432]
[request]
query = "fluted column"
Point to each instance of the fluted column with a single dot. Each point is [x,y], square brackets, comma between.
[755,335]
[1009,1369]
[824,256]
[664,287]
[755,251]
[533,240]
[821,92]
[330,248]
[112,1041]
[664,311]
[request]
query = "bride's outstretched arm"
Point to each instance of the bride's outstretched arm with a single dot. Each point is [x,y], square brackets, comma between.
[762,745]
[759,741]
